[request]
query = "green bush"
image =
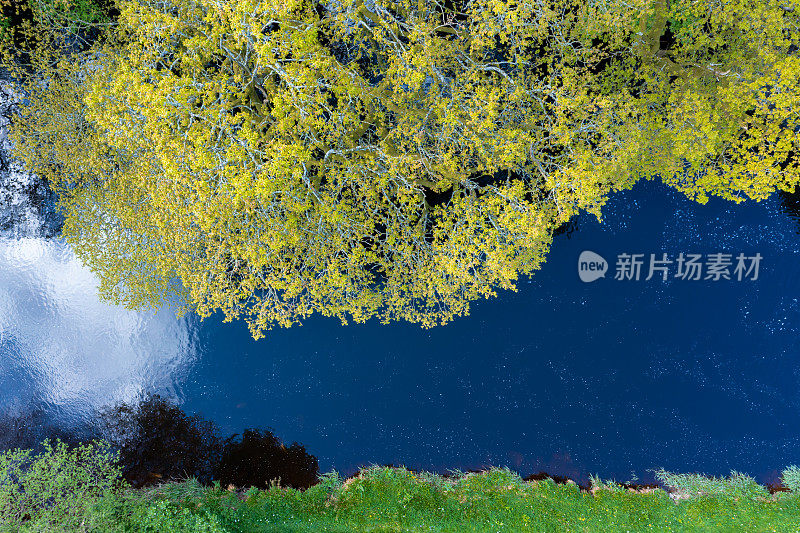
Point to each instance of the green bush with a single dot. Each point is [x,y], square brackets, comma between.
[56,488]
[737,485]
[607,485]
[791,478]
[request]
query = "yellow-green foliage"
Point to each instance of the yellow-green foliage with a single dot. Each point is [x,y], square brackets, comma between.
[276,159]
[47,25]
[723,102]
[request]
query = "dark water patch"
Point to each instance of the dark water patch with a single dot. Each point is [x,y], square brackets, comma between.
[28,430]
[257,458]
[790,204]
[157,441]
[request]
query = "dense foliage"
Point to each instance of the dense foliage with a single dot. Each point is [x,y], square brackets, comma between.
[80,491]
[31,28]
[393,159]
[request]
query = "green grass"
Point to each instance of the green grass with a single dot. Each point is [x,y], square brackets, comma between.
[397,500]
[80,492]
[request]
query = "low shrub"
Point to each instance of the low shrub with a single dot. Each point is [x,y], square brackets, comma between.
[737,485]
[790,478]
[56,487]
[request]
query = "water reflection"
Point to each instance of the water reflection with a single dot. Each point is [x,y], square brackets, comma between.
[65,351]
[790,204]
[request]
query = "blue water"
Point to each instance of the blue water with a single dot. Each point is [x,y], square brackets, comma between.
[610,377]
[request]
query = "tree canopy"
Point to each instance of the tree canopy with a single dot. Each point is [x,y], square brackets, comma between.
[393,159]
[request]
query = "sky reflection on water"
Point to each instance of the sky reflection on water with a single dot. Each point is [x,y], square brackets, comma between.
[66,351]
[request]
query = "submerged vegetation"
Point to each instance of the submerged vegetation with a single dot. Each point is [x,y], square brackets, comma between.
[399,159]
[81,490]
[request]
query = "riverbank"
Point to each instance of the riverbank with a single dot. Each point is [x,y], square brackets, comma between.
[385,499]
[80,489]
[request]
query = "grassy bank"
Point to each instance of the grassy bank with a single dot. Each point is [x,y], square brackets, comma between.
[80,490]
[397,500]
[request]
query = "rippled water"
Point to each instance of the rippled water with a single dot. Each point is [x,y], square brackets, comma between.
[66,351]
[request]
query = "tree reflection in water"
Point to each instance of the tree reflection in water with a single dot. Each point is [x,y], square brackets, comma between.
[157,441]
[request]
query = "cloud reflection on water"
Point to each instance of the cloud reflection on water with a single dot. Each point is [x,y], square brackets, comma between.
[64,349]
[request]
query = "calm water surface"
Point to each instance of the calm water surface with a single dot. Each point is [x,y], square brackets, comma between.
[610,377]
